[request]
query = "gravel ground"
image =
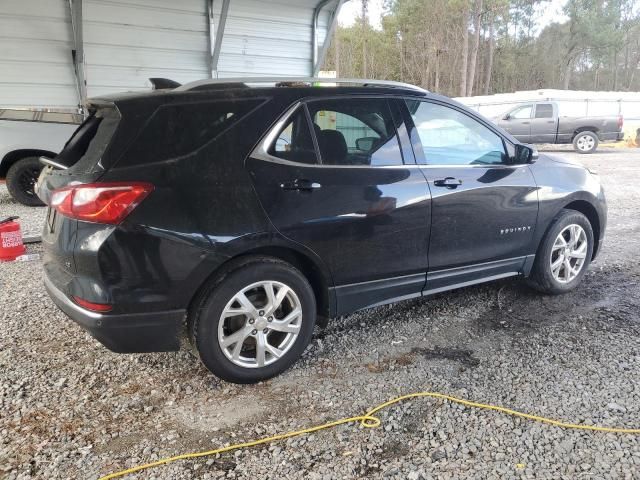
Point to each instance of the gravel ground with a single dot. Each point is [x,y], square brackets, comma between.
[31,218]
[71,409]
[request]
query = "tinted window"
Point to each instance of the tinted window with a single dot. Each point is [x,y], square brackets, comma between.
[355,131]
[522,112]
[177,130]
[450,137]
[294,141]
[544,110]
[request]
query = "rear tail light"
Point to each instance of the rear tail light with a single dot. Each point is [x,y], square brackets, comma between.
[94,307]
[620,121]
[100,202]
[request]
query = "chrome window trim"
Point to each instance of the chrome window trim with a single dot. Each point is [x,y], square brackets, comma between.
[261,152]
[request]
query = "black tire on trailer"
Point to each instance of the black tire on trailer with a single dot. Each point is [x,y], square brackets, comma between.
[21,180]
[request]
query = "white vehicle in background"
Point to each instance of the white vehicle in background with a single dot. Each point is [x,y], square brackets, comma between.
[26,135]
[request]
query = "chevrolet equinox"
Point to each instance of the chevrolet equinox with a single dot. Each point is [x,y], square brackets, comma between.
[241,213]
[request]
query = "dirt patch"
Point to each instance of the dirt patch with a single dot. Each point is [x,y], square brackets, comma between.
[443,353]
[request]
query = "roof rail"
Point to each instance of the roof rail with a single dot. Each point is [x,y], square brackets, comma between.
[285,81]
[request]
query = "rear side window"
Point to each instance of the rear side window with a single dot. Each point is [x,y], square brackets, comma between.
[355,131]
[294,141]
[544,110]
[177,130]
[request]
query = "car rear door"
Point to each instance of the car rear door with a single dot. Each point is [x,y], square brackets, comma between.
[331,177]
[484,208]
[544,123]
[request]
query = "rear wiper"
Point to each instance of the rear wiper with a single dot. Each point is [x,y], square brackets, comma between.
[49,162]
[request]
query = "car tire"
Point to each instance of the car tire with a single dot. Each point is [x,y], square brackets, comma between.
[261,325]
[585,142]
[21,180]
[569,237]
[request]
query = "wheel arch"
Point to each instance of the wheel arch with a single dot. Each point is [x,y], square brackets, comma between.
[589,211]
[318,277]
[584,129]
[15,155]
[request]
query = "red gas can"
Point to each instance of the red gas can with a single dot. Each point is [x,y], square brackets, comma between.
[11,245]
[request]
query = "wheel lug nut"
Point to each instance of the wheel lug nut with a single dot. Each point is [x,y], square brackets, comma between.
[261,312]
[253,332]
[270,319]
[266,330]
[252,320]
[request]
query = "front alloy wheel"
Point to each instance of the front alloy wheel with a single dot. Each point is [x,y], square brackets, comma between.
[569,253]
[564,253]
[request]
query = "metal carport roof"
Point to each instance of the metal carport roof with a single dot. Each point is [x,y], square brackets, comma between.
[56,53]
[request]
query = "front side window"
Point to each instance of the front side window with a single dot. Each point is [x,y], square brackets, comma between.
[355,131]
[294,141]
[522,112]
[450,137]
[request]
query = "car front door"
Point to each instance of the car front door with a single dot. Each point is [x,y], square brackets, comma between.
[518,122]
[484,207]
[331,177]
[544,123]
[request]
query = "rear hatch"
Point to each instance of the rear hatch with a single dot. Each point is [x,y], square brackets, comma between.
[83,159]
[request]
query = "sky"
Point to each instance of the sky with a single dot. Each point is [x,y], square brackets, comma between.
[549,12]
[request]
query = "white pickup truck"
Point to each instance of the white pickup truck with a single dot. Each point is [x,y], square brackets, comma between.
[26,135]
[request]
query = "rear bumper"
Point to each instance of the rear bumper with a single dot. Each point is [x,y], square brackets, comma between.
[611,136]
[127,333]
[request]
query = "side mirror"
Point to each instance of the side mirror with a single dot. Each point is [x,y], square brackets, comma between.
[524,154]
[507,116]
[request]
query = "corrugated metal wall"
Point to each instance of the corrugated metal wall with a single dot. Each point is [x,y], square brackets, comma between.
[127,42]
[36,68]
[268,38]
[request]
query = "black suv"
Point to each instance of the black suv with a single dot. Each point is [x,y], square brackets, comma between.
[243,214]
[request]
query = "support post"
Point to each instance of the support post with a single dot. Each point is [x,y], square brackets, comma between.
[217,33]
[77,53]
[318,57]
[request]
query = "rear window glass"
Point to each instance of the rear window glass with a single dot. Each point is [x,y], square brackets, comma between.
[77,145]
[177,130]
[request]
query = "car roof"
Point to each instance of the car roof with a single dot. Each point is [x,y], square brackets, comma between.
[279,86]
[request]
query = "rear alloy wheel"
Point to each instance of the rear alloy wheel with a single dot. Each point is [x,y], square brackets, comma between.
[260,324]
[585,142]
[564,254]
[21,181]
[255,321]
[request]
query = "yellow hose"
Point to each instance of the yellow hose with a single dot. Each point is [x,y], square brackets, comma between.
[369,420]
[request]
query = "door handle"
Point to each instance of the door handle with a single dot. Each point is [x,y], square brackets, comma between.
[300,184]
[448,182]
[525,123]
